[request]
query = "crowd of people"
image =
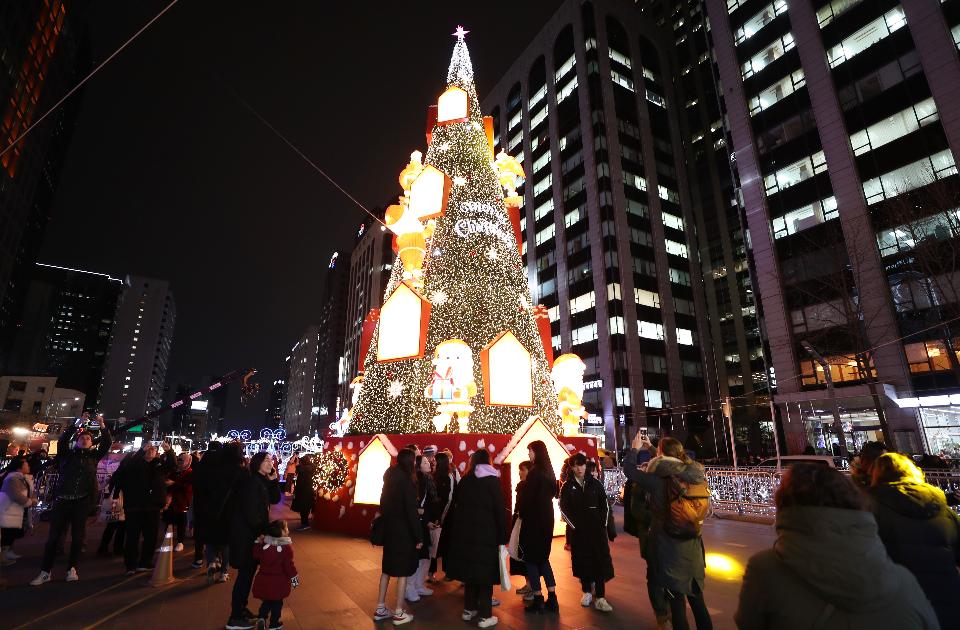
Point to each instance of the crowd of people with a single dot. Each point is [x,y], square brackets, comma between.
[876,548]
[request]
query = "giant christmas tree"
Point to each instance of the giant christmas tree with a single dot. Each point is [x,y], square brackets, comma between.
[457,346]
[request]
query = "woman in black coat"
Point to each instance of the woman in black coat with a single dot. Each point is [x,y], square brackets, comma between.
[427,509]
[257,490]
[536,527]
[445,482]
[403,534]
[478,526]
[919,531]
[517,567]
[303,495]
[215,482]
[583,502]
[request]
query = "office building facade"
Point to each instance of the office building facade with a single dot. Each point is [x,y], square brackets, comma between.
[276,402]
[609,240]
[134,380]
[844,125]
[302,408]
[333,317]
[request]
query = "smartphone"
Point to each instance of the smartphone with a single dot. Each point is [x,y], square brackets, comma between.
[643,432]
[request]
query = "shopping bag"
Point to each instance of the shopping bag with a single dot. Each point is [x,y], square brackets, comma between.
[434,541]
[504,558]
[513,548]
[110,511]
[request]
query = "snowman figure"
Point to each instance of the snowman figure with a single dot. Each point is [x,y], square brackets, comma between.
[452,384]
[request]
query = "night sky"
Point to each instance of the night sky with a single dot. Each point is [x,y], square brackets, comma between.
[169,176]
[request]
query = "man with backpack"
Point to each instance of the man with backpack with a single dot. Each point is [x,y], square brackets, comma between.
[678,498]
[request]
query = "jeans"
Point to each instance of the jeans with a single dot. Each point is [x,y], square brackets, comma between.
[179,522]
[241,589]
[141,524]
[678,610]
[116,532]
[66,513]
[478,597]
[273,608]
[599,587]
[655,591]
[536,570]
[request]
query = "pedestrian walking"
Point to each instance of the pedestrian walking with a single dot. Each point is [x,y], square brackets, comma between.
[180,495]
[303,495]
[427,510]
[258,489]
[675,559]
[536,527]
[143,484]
[403,536]
[215,491]
[445,483]
[583,502]
[478,528]
[290,474]
[828,568]
[16,499]
[76,493]
[919,531]
[276,575]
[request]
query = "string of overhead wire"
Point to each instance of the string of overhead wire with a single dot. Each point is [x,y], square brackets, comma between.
[293,147]
[84,80]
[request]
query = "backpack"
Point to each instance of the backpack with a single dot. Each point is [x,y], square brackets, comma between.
[688,505]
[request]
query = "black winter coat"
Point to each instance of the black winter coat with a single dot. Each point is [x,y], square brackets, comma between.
[215,486]
[402,527]
[587,512]
[427,502]
[536,514]
[251,515]
[921,533]
[478,525]
[77,467]
[303,492]
[142,484]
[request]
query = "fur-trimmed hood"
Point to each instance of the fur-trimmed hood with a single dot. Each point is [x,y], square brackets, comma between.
[270,541]
[664,466]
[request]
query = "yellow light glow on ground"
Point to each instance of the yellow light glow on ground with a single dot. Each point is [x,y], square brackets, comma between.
[372,463]
[723,567]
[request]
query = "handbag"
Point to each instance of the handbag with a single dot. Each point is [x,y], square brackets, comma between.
[378,531]
[513,548]
[504,561]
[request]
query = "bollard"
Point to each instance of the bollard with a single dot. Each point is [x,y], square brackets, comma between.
[163,567]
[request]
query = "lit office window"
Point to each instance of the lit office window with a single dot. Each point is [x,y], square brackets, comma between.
[795,173]
[775,93]
[650,330]
[909,177]
[806,217]
[864,38]
[894,127]
[756,23]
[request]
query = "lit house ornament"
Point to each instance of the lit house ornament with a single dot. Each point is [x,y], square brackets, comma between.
[403,325]
[453,106]
[507,372]
[372,463]
[429,193]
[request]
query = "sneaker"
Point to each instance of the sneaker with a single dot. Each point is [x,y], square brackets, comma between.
[72,575]
[468,615]
[494,602]
[523,590]
[178,547]
[401,617]
[144,569]
[302,528]
[603,605]
[528,597]
[423,590]
[586,600]
[489,622]
[43,578]
[241,623]
[276,626]
[197,564]
[129,572]
[382,613]
[223,577]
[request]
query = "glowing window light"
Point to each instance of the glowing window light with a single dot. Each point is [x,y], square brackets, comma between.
[372,463]
[403,325]
[453,106]
[429,193]
[507,372]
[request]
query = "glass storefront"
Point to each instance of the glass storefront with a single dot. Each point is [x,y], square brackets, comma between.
[941,427]
[859,426]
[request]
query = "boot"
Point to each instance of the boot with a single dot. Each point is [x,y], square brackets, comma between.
[552,604]
[536,606]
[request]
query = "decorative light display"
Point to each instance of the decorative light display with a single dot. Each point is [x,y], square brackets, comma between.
[480,295]
[372,462]
[331,472]
[507,372]
[452,383]
[403,324]
[567,376]
[453,106]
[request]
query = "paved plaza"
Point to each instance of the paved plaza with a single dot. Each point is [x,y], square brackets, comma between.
[338,577]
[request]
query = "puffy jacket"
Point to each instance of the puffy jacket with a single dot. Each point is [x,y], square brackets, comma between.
[828,569]
[920,532]
[142,484]
[15,494]
[181,490]
[275,556]
[77,467]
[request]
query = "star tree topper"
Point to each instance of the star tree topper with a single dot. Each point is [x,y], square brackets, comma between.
[460,33]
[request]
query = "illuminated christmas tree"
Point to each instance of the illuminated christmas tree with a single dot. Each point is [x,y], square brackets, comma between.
[459,345]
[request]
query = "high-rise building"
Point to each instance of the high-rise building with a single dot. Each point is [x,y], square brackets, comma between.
[43,54]
[135,376]
[330,349]
[217,412]
[610,247]
[67,319]
[844,131]
[371,262]
[276,405]
[300,417]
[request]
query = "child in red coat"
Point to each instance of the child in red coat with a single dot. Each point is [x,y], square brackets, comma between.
[277,573]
